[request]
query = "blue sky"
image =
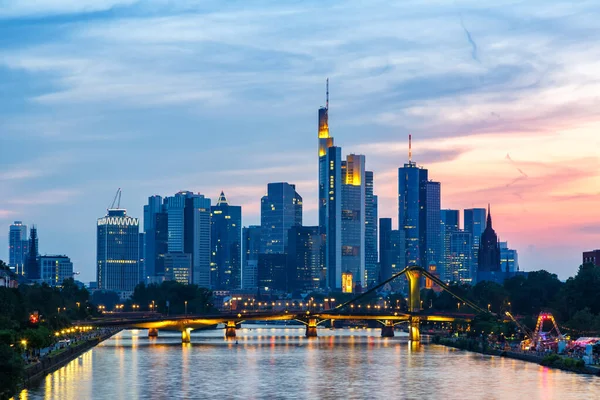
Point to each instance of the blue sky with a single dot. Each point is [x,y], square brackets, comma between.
[159,96]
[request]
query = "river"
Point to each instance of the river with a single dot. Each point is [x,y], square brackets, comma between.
[279,362]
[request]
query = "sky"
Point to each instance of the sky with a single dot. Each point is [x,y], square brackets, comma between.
[158,96]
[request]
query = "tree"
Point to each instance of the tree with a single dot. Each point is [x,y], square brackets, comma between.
[11,371]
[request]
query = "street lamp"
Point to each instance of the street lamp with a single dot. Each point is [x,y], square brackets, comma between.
[185,302]
[489,305]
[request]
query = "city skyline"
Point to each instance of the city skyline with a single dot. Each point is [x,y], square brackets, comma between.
[479,135]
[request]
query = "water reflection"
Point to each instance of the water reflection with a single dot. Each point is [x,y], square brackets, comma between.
[282,363]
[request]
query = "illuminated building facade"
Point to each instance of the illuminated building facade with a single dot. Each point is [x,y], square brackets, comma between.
[449,224]
[55,269]
[347,282]
[117,261]
[226,247]
[280,209]
[251,250]
[461,246]
[371,256]
[305,269]
[18,247]
[353,217]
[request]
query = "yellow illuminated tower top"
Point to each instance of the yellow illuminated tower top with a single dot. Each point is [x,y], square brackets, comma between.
[325,141]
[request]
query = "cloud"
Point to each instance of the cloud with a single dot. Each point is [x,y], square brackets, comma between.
[46,197]
[470,39]
[18,8]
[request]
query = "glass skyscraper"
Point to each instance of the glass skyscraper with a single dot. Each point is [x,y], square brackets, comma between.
[474,221]
[305,264]
[412,216]
[461,250]
[371,270]
[55,269]
[449,225]
[251,250]
[353,217]
[433,234]
[281,208]
[117,265]
[226,236]
[18,247]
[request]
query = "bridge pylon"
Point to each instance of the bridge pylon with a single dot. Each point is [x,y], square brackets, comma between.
[152,332]
[387,330]
[186,336]
[414,303]
[230,329]
[311,327]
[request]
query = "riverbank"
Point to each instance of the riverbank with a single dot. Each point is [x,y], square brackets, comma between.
[35,372]
[551,361]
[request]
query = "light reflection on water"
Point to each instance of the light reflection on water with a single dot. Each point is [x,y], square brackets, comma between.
[278,362]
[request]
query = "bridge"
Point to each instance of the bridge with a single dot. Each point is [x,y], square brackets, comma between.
[311,319]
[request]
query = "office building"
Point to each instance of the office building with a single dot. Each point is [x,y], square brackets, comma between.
[155,237]
[488,262]
[54,269]
[433,234]
[18,247]
[117,265]
[474,221]
[509,259]
[392,251]
[412,214]
[251,250]
[197,235]
[449,224]
[226,236]
[461,254]
[305,270]
[353,217]
[272,272]
[371,251]
[178,267]
[281,208]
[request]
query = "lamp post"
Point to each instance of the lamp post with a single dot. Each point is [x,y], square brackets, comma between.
[489,305]
[185,302]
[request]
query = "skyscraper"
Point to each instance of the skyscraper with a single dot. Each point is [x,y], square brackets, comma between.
[32,266]
[433,234]
[371,270]
[331,166]
[392,249]
[509,259]
[449,224]
[151,212]
[197,234]
[459,265]
[281,208]
[226,236]
[305,270]
[474,222]
[117,266]
[353,217]
[251,250]
[272,271]
[412,216]
[488,267]
[18,247]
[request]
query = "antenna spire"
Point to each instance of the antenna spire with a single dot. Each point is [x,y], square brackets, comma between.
[409,148]
[327,96]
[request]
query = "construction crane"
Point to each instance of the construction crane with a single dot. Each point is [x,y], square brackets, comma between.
[117,200]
